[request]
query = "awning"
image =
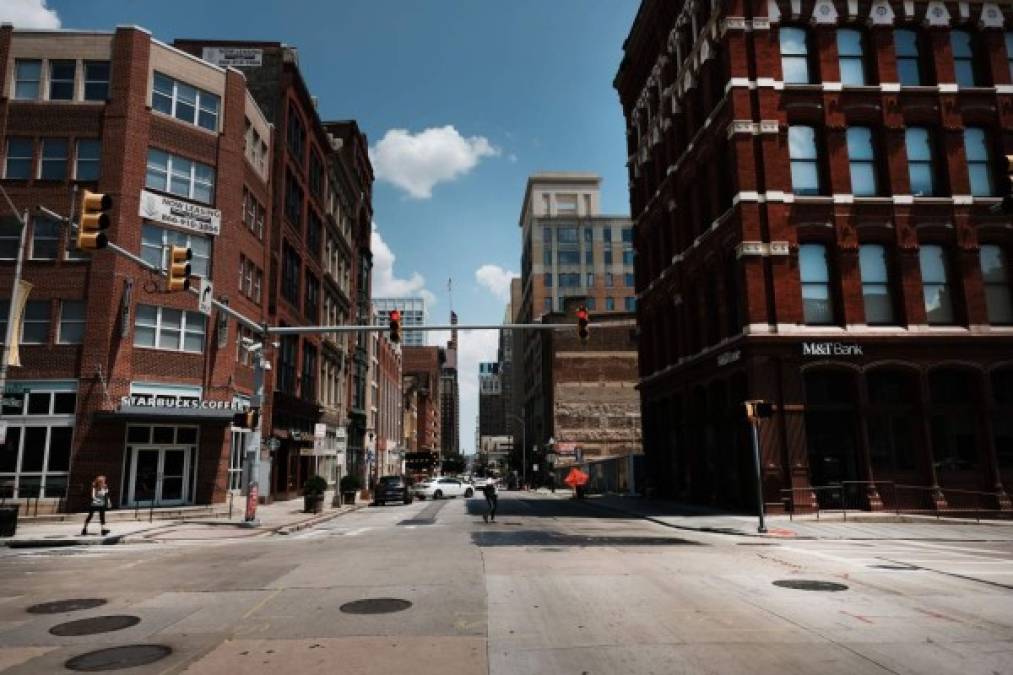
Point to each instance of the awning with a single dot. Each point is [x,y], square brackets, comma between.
[169,414]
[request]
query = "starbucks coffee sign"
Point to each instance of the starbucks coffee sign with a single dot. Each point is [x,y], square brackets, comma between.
[831,349]
[180,402]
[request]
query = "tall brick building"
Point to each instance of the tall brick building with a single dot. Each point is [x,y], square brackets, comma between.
[421,367]
[118,376]
[811,184]
[319,265]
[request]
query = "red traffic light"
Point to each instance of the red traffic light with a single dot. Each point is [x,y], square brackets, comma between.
[395,326]
[582,316]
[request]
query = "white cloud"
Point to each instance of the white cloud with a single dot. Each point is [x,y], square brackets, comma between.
[28,14]
[417,162]
[385,283]
[496,280]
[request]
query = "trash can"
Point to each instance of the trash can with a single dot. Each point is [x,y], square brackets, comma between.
[9,519]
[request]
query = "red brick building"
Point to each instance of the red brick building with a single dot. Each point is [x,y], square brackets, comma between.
[812,185]
[421,368]
[118,376]
[320,266]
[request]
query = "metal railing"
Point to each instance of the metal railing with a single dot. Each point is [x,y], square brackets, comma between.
[853,497]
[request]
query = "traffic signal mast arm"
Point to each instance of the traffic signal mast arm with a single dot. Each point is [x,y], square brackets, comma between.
[257,328]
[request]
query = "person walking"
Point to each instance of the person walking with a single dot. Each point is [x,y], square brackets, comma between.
[99,502]
[491,499]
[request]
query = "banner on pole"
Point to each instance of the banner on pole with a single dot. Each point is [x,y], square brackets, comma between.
[17,318]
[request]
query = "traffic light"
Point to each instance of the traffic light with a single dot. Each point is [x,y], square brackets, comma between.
[395,326]
[179,268]
[759,409]
[94,219]
[248,420]
[582,322]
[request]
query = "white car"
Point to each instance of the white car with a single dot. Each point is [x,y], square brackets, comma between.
[441,486]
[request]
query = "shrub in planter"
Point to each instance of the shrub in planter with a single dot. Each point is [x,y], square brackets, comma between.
[313,494]
[349,485]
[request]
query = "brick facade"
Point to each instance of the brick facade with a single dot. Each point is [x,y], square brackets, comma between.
[808,273]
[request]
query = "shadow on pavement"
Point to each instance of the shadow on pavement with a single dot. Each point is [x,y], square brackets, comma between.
[513,504]
[558,539]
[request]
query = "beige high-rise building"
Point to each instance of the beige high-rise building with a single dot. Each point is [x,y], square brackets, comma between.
[571,249]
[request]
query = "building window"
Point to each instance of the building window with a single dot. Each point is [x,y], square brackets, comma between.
[286,363]
[169,329]
[569,257]
[316,174]
[96,80]
[180,176]
[589,304]
[588,235]
[630,304]
[45,238]
[19,158]
[61,80]
[804,155]
[965,59]
[995,273]
[610,304]
[547,257]
[892,420]
[35,458]
[936,285]
[954,420]
[308,388]
[979,164]
[54,159]
[627,234]
[910,65]
[291,267]
[817,296]
[607,258]
[547,305]
[609,280]
[548,279]
[606,237]
[876,292]
[851,56]
[185,102]
[566,235]
[293,200]
[71,322]
[155,243]
[795,55]
[88,160]
[921,161]
[27,78]
[589,280]
[569,280]
[10,239]
[628,279]
[546,234]
[296,135]
[862,162]
[588,257]
[311,306]
[35,327]
[313,233]
[628,256]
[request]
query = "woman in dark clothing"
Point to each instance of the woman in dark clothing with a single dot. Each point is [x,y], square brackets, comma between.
[491,499]
[99,502]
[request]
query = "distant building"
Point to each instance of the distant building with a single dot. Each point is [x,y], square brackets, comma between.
[384,436]
[450,398]
[491,421]
[413,313]
[421,367]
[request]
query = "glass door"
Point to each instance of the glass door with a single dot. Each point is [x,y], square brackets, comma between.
[159,476]
[145,479]
[173,484]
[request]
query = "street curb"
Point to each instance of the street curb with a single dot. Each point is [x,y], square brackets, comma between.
[73,540]
[310,522]
[706,530]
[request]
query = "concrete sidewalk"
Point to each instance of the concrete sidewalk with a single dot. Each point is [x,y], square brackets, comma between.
[281,517]
[859,525]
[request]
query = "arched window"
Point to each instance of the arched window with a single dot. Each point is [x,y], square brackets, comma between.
[954,424]
[1002,416]
[892,419]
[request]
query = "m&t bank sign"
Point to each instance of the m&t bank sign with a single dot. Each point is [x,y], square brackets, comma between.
[825,349]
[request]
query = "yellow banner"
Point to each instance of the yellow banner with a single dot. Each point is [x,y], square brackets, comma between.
[17,318]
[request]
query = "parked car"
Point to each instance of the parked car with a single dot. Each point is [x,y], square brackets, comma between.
[393,489]
[441,486]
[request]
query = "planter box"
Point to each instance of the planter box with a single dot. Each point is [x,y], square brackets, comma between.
[313,503]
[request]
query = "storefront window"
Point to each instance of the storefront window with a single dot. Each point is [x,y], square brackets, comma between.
[892,420]
[1002,420]
[35,458]
[954,424]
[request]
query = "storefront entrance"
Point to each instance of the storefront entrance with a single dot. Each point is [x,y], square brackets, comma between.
[160,476]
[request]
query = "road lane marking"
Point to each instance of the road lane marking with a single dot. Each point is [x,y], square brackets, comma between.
[261,604]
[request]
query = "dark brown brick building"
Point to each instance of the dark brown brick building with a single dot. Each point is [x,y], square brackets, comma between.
[421,367]
[812,185]
[118,376]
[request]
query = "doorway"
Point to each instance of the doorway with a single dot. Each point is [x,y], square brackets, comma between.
[159,476]
[831,422]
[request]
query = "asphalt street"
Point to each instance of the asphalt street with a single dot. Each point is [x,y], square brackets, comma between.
[554,586]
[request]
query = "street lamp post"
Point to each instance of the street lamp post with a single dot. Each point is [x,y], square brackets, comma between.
[524,447]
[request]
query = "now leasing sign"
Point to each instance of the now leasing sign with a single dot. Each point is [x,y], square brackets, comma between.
[825,349]
[181,214]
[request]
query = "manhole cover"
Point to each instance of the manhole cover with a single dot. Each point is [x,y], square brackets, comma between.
[98,624]
[375,606]
[810,585]
[117,658]
[61,606]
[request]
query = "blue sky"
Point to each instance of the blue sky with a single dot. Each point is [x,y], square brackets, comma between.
[461,101]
